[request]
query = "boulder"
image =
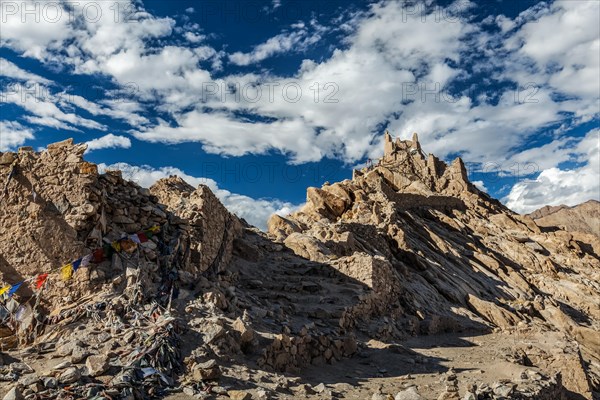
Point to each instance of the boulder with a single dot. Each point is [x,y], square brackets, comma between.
[208,370]
[409,394]
[14,394]
[97,365]
[70,375]
[324,203]
[281,227]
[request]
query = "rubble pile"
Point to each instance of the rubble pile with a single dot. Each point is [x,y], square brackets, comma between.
[208,307]
[113,318]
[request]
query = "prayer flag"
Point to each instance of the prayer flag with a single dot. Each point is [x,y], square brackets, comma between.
[4,290]
[66,272]
[108,251]
[154,229]
[98,256]
[40,280]
[85,261]
[76,264]
[128,246]
[14,289]
[142,236]
[134,238]
[116,245]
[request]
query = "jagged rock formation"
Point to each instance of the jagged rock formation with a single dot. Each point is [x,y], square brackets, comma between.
[408,251]
[456,259]
[584,218]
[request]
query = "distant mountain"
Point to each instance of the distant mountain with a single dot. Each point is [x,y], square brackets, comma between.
[584,217]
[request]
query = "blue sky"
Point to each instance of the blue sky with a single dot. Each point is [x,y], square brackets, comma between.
[261,99]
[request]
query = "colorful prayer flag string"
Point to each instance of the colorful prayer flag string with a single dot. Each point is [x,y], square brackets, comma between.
[127,244]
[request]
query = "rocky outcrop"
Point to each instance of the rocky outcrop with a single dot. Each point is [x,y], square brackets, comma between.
[454,258]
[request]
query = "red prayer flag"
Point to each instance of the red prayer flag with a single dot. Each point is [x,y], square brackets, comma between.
[40,280]
[142,236]
[98,256]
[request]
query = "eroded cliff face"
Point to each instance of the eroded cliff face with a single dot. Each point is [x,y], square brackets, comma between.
[456,259]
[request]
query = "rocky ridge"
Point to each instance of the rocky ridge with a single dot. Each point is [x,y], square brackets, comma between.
[583,218]
[450,257]
[353,296]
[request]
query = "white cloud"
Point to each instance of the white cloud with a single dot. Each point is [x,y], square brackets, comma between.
[38,101]
[42,104]
[11,70]
[109,141]
[194,37]
[50,123]
[562,43]
[275,4]
[117,109]
[298,40]
[13,134]
[555,186]
[505,24]
[480,185]
[221,133]
[382,72]
[35,33]
[255,211]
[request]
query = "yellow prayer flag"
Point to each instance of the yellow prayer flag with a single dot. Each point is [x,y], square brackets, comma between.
[66,272]
[4,290]
[117,246]
[154,229]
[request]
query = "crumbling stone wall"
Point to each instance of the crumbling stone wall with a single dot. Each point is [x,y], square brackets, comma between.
[288,353]
[211,227]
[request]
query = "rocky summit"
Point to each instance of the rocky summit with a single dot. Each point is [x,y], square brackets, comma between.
[404,282]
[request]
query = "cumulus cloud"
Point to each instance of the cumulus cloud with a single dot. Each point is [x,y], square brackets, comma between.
[30,34]
[255,211]
[392,68]
[556,49]
[109,141]
[555,186]
[13,134]
[194,37]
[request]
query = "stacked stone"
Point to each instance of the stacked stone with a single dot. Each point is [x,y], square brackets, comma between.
[289,353]
[451,392]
